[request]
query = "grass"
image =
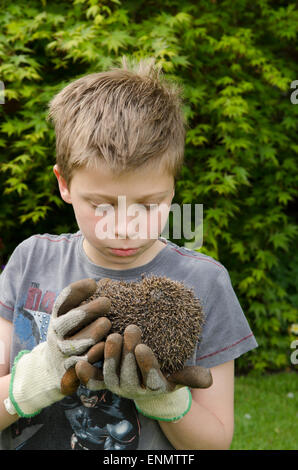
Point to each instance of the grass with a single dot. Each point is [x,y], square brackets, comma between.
[266,412]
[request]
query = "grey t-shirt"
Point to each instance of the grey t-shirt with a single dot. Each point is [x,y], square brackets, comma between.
[39,268]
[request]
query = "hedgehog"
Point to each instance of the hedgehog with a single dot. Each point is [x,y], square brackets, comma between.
[168,313]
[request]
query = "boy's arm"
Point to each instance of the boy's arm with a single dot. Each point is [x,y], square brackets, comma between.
[6,419]
[210,422]
[5,339]
[5,342]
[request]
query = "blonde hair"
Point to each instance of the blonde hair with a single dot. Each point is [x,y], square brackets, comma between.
[126,117]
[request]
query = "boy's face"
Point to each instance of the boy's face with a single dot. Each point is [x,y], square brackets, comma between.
[128,221]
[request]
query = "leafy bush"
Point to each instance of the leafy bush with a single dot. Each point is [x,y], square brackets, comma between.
[236,61]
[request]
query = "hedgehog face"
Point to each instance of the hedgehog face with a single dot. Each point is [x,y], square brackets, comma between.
[168,313]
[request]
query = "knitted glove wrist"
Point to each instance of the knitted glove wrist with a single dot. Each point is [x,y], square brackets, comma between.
[37,374]
[169,407]
[31,392]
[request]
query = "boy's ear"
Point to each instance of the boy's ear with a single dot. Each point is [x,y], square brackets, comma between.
[63,188]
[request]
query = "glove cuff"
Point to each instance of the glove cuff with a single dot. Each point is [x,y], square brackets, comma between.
[32,387]
[11,388]
[167,407]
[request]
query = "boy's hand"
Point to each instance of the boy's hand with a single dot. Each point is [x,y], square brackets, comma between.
[36,375]
[131,370]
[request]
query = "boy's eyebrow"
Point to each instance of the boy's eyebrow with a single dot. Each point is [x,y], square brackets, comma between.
[114,198]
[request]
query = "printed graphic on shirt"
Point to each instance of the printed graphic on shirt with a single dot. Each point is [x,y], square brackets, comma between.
[86,420]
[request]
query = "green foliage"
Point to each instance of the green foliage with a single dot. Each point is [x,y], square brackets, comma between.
[236,61]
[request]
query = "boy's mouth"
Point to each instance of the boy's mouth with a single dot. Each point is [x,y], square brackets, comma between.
[124,252]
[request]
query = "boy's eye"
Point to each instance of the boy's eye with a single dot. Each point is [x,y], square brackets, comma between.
[151,206]
[104,207]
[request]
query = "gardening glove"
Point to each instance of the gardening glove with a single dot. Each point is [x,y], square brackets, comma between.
[131,370]
[36,375]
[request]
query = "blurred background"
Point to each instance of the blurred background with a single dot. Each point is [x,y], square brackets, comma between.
[237,63]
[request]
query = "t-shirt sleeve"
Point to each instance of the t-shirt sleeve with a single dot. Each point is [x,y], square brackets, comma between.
[226,333]
[9,280]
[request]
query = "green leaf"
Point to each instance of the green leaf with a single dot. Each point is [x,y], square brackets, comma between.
[117,40]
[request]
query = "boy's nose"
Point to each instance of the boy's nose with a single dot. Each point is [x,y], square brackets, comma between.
[130,226]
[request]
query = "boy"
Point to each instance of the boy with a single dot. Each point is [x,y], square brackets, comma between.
[118,133]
